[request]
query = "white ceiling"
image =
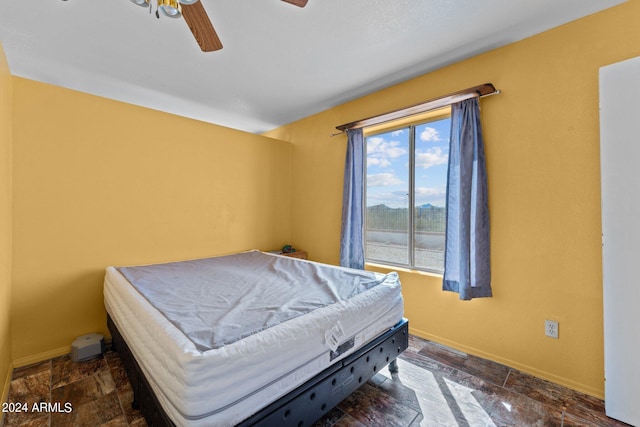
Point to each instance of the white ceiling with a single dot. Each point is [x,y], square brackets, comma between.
[279,62]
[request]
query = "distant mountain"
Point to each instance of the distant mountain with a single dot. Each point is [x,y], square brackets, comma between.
[381,206]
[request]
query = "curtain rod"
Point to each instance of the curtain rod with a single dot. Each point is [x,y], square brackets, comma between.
[479,91]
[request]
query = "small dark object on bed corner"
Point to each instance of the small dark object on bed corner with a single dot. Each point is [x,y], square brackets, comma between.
[288,249]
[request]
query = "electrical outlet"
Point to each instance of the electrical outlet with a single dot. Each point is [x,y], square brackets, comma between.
[551,328]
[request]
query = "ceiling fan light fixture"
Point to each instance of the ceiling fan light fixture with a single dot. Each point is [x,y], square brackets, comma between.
[170,8]
[141,2]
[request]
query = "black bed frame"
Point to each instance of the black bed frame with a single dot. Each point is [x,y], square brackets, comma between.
[302,406]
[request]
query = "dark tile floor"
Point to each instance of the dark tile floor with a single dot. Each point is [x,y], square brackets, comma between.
[92,393]
[436,386]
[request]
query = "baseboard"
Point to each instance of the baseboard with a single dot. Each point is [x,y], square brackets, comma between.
[40,357]
[5,389]
[512,364]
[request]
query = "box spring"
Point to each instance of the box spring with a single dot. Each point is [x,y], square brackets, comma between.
[301,407]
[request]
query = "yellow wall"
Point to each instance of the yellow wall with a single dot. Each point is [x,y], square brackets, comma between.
[99,182]
[542,144]
[5,226]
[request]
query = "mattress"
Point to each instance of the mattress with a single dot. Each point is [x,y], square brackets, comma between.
[225,380]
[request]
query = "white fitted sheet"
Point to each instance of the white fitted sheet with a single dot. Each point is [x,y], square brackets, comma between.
[223,386]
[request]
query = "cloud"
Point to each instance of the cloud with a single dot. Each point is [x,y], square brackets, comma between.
[374,161]
[381,152]
[430,135]
[382,180]
[432,157]
[423,192]
[379,147]
[435,196]
[374,143]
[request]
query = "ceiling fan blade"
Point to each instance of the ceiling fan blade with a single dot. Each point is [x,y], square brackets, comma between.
[299,3]
[201,26]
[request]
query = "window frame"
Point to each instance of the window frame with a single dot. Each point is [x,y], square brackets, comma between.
[411,123]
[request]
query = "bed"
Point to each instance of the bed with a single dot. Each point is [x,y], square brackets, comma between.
[251,338]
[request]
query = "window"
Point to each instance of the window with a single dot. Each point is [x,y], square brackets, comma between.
[406,182]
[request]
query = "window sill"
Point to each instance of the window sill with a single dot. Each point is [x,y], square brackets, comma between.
[390,268]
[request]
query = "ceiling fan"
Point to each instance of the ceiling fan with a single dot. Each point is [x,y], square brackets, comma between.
[197,19]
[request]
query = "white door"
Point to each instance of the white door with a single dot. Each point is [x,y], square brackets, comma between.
[620,175]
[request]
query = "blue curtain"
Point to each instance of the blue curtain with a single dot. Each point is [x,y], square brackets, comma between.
[467,269]
[351,239]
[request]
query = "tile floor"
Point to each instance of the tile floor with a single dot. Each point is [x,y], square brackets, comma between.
[436,386]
